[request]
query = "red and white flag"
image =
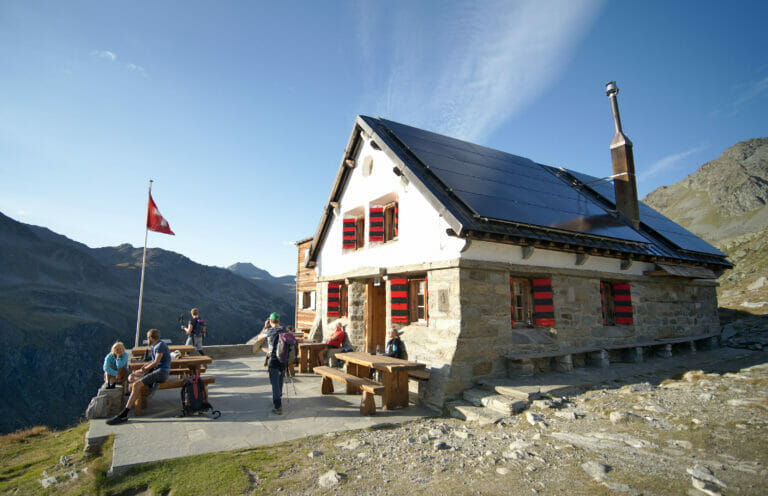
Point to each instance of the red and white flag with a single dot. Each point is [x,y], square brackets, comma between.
[155,221]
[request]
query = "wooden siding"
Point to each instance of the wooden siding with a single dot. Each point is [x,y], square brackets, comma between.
[305,281]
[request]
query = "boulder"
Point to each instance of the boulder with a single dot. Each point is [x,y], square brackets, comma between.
[107,403]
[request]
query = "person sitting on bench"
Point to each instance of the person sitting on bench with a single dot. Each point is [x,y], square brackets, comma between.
[149,376]
[335,341]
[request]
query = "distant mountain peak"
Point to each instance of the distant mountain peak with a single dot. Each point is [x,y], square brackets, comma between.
[249,271]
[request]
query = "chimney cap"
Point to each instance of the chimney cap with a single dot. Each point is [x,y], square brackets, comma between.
[611,88]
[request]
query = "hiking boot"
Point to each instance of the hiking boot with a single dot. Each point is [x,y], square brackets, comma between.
[118,419]
[277,411]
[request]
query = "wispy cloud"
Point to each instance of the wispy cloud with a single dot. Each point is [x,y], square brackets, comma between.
[104,54]
[474,66]
[749,91]
[668,162]
[112,57]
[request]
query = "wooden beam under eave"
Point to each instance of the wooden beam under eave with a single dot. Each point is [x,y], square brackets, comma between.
[349,163]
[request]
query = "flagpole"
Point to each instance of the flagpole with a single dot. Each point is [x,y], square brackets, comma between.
[143,263]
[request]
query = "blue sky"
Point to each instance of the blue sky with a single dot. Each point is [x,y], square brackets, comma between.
[240,111]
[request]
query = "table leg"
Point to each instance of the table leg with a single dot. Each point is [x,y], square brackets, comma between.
[303,356]
[395,389]
[313,359]
[353,369]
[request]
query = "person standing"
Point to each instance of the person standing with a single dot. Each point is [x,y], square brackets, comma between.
[276,368]
[195,331]
[149,376]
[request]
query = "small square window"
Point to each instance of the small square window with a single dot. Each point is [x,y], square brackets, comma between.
[608,305]
[417,300]
[521,298]
[359,232]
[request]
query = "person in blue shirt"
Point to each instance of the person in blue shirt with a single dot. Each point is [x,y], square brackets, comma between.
[116,365]
[149,376]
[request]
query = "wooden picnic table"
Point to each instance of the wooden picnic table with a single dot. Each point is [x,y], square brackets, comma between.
[184,349]
[394,375]
[308,355]
[184,364]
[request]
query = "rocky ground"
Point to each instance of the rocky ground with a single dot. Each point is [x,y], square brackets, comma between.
[703,433]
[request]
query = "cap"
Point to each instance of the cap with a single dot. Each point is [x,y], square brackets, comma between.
[274,316]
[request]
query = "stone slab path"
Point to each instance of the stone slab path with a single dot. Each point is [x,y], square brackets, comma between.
[243,395]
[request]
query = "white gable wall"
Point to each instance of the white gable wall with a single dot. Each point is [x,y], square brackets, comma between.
[421,238]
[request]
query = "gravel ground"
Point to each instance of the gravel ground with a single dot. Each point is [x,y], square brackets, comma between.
[702,433]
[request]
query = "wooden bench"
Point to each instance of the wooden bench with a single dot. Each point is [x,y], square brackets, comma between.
[141,403]
[420,374]
[369,388]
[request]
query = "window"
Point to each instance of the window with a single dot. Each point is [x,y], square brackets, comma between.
[606,298]
[616,303]
[417,300]
[307,300]
[521,301]
[343,302]
[409,300]
[390,221]
[359,232]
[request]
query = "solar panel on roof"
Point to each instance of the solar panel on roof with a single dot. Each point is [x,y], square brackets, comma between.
[678,235]
[506,187]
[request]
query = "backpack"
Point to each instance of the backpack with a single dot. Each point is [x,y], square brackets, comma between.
[201,328]
[285,349]
[193,397]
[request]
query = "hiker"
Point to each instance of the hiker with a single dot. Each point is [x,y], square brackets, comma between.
[271,333]
[395,347]
[195,331]
[335,341]
[149,376]
[116,365]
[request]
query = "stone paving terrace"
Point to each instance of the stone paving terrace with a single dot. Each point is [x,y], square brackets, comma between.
[243,395]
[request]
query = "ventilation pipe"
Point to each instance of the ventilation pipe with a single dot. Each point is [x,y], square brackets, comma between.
[624,183]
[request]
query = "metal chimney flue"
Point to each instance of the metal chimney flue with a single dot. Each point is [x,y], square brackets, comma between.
[624,183]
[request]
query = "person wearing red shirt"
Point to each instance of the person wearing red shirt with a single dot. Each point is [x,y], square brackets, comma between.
[335,341]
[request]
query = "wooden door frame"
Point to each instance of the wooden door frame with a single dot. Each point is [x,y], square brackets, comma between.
[375,315]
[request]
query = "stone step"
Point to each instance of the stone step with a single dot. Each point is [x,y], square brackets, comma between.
[529,389]
[498,403]
[470,413]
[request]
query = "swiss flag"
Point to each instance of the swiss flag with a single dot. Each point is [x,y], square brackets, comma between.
[155,221]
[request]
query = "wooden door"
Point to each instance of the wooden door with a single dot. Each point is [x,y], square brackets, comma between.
[375,317]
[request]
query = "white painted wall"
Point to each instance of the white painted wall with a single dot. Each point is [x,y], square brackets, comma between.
[421,237]
[422,231]
[497,252]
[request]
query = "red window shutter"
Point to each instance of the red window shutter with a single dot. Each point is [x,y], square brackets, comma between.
[622,304]
[399,300]
[543,308]
[512,300]
[348,234]
[376,229]
[333,299]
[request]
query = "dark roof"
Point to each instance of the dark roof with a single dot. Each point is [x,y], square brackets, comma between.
[497,196]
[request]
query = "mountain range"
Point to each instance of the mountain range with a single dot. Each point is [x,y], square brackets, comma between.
[726,203]
[63,304]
